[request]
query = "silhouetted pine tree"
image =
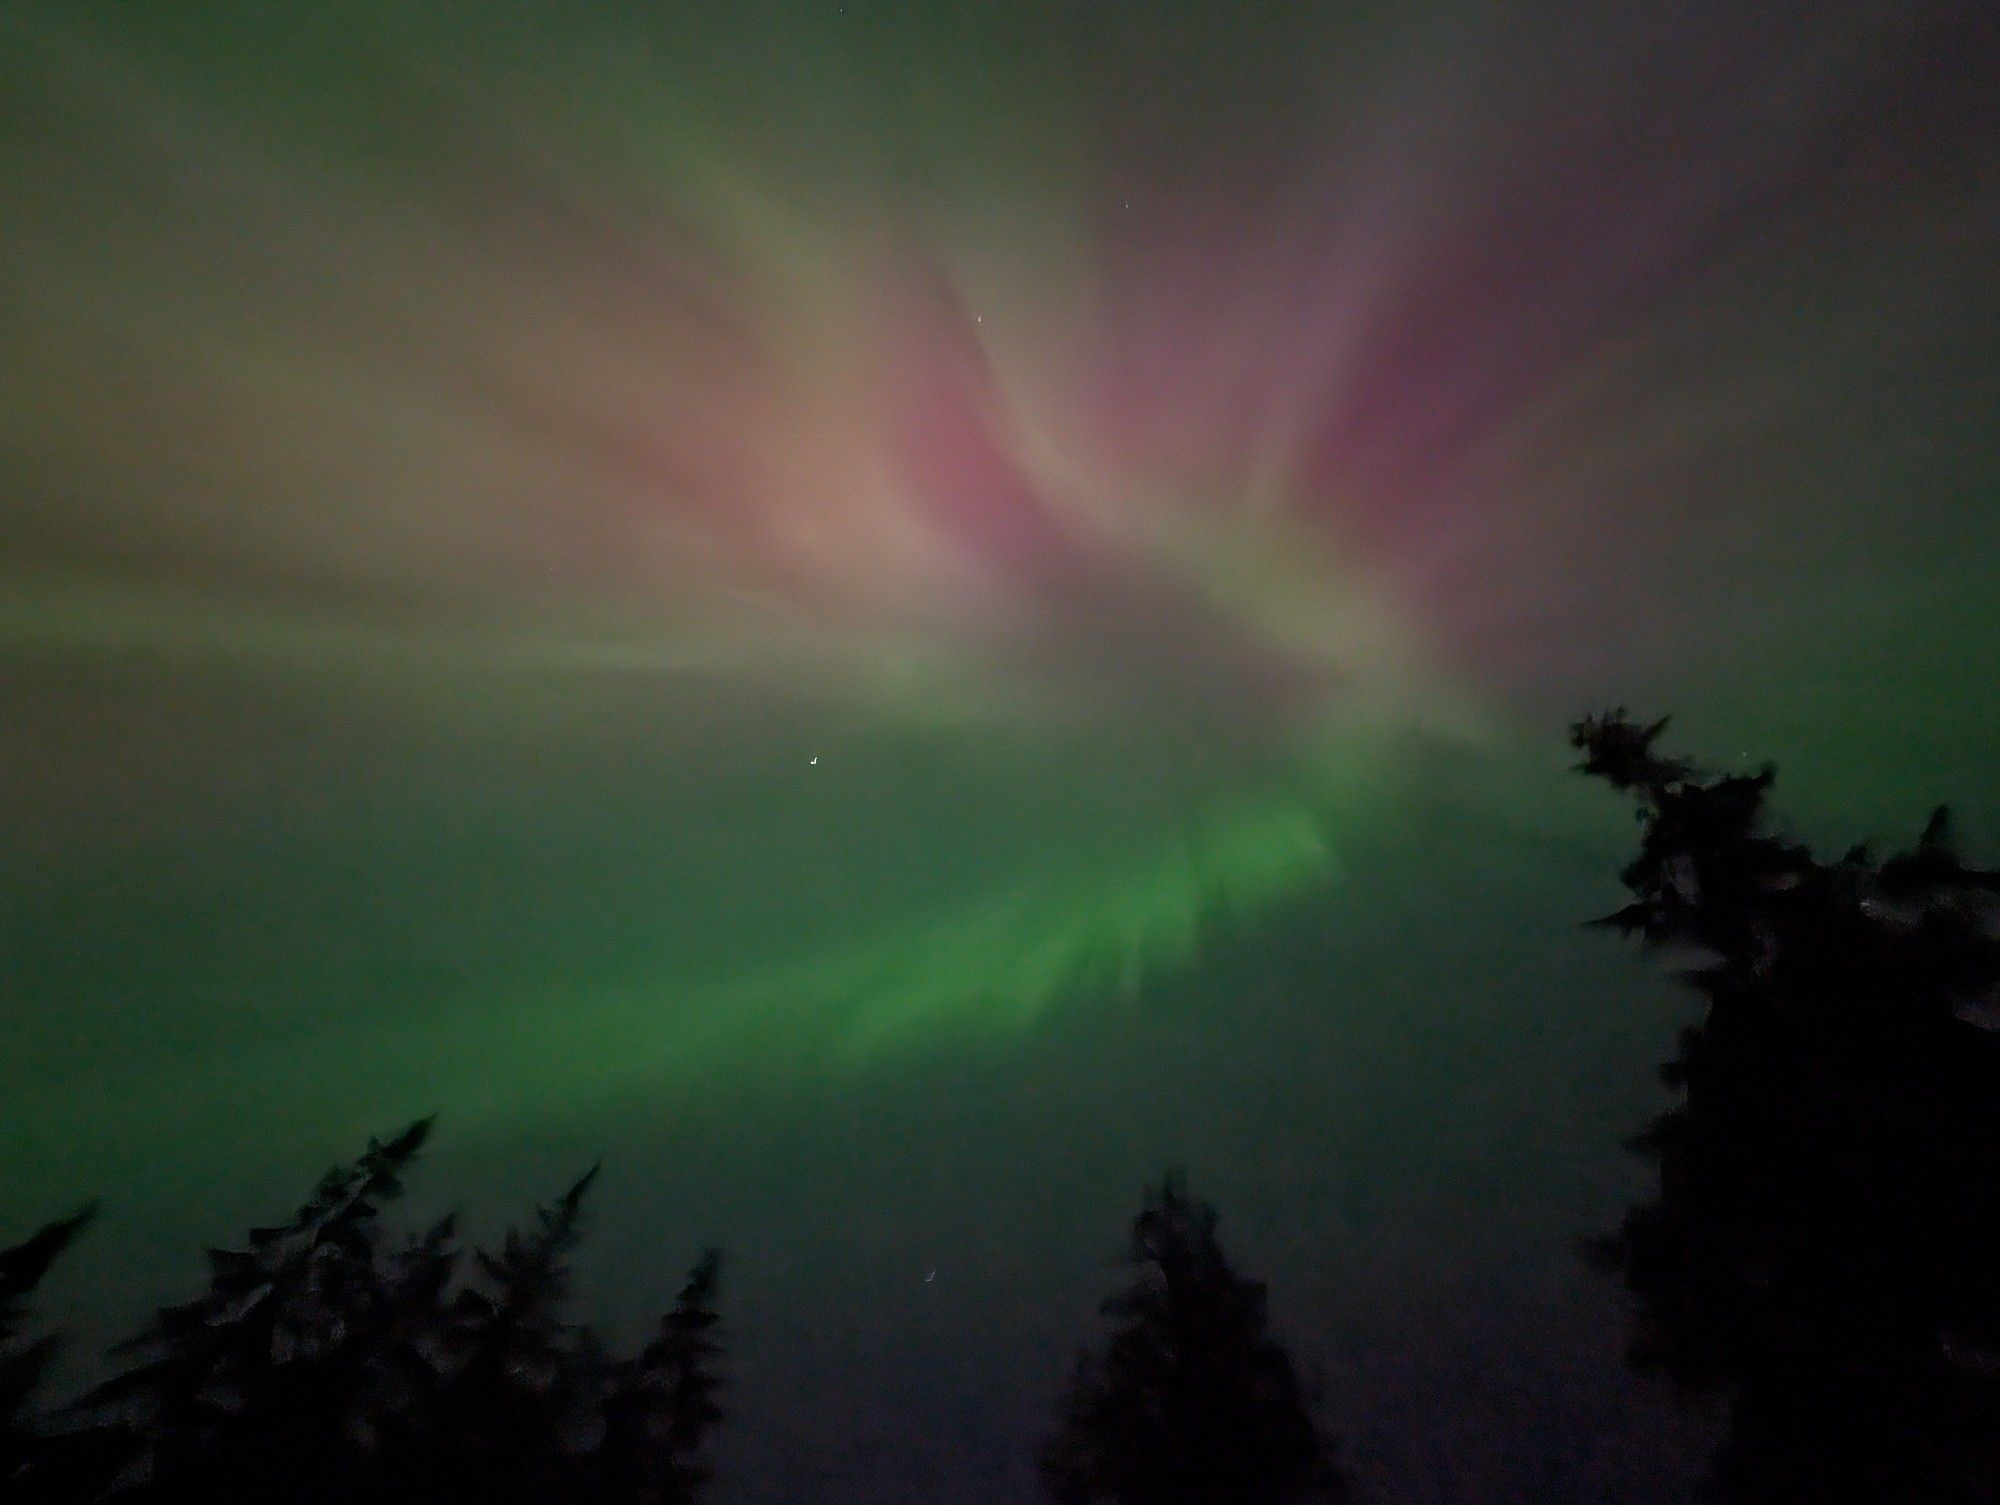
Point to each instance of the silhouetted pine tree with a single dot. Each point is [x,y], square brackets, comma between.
[23,1361]
[262,1388]
[662,1406]
[1824,1248]
[398,1419]
[1189,1402]
[521,1415]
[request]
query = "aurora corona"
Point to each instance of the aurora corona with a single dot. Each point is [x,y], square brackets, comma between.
[804,578]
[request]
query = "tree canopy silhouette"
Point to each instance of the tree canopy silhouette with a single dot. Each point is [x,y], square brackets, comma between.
[663,1404]
[327,1361]
[1824,1245]
[1189,1401]
[23,1361]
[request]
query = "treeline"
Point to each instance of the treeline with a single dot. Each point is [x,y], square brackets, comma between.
[1822,1252]
[326,1362]
[329,1362]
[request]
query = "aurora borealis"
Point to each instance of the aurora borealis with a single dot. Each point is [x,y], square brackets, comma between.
[892,616]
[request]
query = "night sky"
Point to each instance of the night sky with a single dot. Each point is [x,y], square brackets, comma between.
[896,617]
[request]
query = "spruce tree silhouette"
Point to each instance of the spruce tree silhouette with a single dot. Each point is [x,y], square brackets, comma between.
[24,1361]
[662,1406]
[260,1388]
[520,1414]
[1824,1246]
[1189,1402]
